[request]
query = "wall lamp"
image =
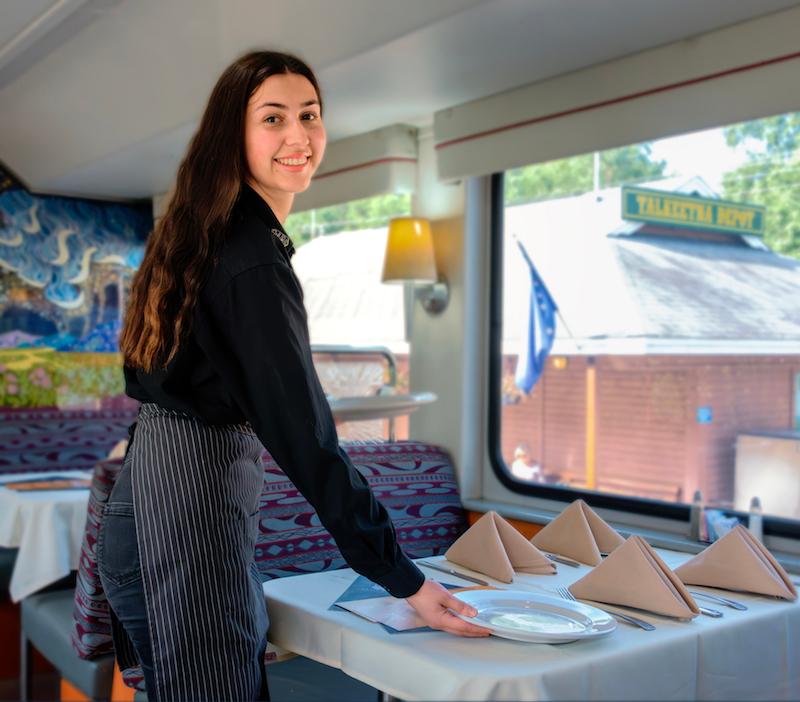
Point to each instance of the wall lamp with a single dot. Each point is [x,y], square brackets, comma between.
[410,258]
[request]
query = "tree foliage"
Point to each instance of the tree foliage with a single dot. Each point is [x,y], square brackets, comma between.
[359,214]
[770,177]
[569,176]
[575,175]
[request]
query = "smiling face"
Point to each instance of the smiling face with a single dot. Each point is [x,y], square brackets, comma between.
[284,139]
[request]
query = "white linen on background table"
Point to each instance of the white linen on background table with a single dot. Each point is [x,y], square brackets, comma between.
[744,655]
[46,526]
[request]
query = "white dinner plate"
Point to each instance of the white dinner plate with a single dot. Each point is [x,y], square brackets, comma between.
[528,616]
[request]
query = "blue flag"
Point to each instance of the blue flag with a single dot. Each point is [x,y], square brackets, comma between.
[541,331]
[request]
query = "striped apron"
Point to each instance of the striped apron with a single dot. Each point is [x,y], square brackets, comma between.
[195,490]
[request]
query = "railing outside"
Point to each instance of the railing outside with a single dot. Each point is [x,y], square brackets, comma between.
[347,371]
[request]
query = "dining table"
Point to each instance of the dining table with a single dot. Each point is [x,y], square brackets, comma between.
[368,407]
[46,526]
[364,407]
[743,655]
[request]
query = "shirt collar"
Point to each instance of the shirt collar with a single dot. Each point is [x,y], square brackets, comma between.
[253,203]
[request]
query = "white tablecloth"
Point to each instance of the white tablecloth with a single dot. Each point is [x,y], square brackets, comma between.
[47,528]
[359,409]
[745,655]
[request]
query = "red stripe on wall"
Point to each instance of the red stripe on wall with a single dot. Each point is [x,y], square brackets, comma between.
[392,159]
[623,98]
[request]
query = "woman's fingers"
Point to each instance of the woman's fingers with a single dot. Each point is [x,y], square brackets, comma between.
[435,605]
[460,607]
[453,625]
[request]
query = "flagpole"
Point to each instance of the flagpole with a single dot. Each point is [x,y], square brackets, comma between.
[590,446]
[558,310]
[569,331]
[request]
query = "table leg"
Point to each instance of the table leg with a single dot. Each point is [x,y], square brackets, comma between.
[25,668]
[386,697]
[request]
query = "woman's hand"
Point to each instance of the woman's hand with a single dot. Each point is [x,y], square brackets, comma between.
[432,602]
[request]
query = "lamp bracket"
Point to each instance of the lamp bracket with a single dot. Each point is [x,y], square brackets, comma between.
[434,297]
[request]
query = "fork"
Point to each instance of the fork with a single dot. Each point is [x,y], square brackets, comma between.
[633,621]
[707,611]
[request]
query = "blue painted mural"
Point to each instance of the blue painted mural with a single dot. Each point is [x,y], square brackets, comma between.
[65,270]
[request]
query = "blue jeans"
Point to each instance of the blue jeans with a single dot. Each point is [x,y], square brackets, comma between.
[120,570]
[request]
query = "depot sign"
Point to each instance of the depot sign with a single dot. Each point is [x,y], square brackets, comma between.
[691,212]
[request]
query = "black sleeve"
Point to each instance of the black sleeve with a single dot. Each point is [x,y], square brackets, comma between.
[255,333]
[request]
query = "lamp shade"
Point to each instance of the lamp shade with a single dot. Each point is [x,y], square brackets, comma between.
[409,252]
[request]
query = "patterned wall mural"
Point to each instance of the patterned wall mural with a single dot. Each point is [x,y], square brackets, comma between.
[65,271]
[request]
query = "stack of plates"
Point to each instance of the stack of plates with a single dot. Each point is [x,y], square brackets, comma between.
[527,616]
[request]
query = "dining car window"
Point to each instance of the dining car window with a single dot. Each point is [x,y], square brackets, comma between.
[339,260]
[356,215]
[649,352]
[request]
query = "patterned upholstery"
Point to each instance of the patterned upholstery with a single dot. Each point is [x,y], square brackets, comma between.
[47,438]
[91,624]
[134,677]
[415,482]
[91,632]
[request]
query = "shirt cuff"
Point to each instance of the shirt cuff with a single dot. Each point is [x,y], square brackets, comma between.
[404,580]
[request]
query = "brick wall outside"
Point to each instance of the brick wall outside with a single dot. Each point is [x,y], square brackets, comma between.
[649,440]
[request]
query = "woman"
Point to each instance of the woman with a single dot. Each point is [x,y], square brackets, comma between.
[216,348]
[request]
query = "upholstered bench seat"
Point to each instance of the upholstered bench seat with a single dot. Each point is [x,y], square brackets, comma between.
[415,482]
[47,624]
[42,439]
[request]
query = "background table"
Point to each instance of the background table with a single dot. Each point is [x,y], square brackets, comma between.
[745,655]
[367,407]
[356,409]
[47,528]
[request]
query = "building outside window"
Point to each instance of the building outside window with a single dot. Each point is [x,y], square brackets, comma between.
[675,269]
[339,260]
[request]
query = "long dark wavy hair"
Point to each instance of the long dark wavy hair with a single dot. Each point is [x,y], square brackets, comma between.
[182,246]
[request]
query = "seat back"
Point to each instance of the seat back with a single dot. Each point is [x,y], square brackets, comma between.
[91,631]
[91,622]
[415,483]
[39,439]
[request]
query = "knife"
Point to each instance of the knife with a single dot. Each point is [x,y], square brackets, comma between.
[733,604]
[450,571]
[710,612]
[558,558]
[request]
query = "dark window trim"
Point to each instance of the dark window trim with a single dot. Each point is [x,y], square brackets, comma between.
[773,526]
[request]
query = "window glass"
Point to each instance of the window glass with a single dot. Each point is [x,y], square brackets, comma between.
[356,215]
[651,325]
[339,261]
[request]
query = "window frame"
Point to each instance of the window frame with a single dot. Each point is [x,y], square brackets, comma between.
[677,512]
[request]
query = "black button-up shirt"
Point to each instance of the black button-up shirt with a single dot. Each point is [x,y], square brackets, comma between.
[248,357]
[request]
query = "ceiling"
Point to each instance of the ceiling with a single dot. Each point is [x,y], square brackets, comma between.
[99,98]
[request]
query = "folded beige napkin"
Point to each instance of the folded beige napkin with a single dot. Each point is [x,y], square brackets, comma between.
[738,561]
[493,547]
[634,576]
[579,533]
